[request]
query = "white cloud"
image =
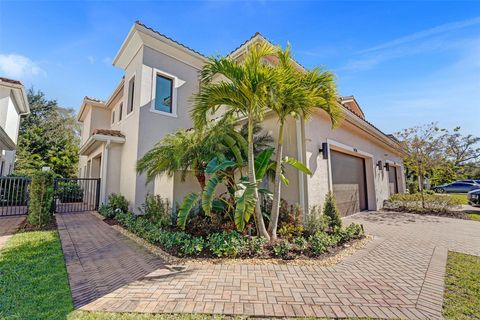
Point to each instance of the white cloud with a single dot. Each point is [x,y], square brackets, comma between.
[91,59]
[425,34]
[19,67]
[107,61]
[430,40]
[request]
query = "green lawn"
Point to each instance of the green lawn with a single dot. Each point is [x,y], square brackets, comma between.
[460,196]
[475,216]
[33,278]
[462,287]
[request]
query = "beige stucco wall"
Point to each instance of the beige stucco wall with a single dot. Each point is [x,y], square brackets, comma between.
[347,138]
[154,126]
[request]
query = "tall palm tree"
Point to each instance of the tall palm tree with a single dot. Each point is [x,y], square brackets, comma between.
[297,93]
[242,89]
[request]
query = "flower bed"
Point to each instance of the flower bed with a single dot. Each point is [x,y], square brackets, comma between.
[232,244]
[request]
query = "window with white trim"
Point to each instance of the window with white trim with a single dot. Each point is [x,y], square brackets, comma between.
[131,94]
[163,94]
[120,111]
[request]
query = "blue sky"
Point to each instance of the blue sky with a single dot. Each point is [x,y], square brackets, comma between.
[407,63]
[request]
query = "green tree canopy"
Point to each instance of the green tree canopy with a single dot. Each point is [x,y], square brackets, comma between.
[48,136]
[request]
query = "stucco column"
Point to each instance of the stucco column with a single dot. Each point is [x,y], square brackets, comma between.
[103,182]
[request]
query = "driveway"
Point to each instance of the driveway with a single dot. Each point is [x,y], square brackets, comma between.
[398,275]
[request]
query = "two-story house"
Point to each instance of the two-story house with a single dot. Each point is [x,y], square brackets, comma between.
[356,161]
[13,104]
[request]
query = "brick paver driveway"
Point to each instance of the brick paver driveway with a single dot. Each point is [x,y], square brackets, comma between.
[398,275]
[8,226]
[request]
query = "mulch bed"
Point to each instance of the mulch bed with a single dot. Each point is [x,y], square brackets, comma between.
[25,226]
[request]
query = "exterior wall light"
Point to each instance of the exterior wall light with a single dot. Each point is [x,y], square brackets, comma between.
[387,166]
[324,150]
[379,165]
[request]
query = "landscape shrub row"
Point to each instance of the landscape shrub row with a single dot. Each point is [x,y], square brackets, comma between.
[433,203]
[318,237]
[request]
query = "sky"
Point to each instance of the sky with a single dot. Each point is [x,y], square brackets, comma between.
[407,63]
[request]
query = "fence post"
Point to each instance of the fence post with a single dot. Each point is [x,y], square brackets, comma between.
[97,200]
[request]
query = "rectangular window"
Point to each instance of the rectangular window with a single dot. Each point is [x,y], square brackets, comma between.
[120,112]
[113,117]
[131,90]
[163,94]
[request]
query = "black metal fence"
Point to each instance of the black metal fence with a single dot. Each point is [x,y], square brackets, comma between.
[76,194]
[14,195]
[70,195]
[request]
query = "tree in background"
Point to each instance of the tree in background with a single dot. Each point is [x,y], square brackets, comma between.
[48,136]
[424,149]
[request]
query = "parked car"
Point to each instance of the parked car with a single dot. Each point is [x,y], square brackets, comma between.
[456,187]
[474,197]
[470,181]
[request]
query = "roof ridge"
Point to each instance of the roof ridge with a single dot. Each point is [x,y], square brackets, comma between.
[4,79]
[138,22]
[94,99]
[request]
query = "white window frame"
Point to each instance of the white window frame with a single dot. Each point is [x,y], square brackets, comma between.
[176,82]
[128,94]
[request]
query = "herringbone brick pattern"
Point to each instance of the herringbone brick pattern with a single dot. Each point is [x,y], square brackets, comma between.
[99,259]
[8,226]
[398,275]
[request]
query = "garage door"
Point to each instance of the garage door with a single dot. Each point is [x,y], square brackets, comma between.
[349,182]
[392,180]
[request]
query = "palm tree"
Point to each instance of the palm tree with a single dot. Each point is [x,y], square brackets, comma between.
[242,88]
[297,93]
[184,151]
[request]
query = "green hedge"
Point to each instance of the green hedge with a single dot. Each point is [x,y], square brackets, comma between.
[41,197]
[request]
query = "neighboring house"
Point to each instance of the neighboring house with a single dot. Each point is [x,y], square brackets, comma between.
[13,104]
[154,98]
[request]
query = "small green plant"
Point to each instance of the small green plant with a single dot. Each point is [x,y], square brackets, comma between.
[41,197]
[289,231]
[353,231]
[226,244]
[282,248]
[320,241]
[301,244]
[118,202]
[106,211]
[157,210]
[193,246]
[316,221]
[331,211]
[254,246]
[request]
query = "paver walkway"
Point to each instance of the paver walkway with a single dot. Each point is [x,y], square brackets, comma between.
[8,226]
[399,274]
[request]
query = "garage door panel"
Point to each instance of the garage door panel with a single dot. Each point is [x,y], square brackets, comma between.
[349,182]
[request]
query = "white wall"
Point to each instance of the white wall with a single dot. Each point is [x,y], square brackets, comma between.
[318,130]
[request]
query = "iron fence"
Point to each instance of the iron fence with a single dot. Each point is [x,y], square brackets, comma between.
[14,195]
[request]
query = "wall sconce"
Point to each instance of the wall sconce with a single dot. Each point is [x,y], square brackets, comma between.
[324,150]
[379,165]
[387,166]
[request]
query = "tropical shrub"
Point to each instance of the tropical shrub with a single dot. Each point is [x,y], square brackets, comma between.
[106,211]
[157,210]
[193,246]
[254,246]
[289,231]
[320,242]
[316,221]
[301,244]
[282,248]
[118,202]
[440,204]
[353,231]
[330,210]
[226,244]
[69,192]
[41,197]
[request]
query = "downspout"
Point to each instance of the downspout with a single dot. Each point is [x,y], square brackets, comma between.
[103,183]
[301,175]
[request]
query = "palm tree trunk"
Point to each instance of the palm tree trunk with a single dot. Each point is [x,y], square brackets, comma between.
[261,230]
[272,227]
[200,175]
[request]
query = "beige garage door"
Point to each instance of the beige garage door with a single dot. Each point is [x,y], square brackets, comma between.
[349,182]
[392,180]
